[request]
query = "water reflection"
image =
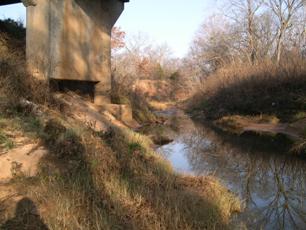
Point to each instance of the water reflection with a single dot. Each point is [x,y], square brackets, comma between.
[271,183]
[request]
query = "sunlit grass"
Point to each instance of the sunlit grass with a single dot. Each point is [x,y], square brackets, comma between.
[118,181]
[5,142]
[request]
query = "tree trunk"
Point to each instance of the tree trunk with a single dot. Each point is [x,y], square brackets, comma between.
[251,35]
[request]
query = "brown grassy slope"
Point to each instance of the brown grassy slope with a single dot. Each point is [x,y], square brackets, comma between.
[91,180]
[114,181]
[264,88]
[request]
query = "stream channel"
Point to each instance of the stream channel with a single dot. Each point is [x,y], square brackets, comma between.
[269,180]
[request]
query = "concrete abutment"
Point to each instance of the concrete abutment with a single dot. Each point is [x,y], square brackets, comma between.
[69,43]
[70,40]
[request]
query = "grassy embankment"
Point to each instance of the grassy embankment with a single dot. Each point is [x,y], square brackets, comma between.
[262,93]
[91,180]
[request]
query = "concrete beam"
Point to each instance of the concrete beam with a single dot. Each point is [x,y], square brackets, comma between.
[7,2]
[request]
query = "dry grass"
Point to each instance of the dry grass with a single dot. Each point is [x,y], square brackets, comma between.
[160,106]
[236,124]
[15,81]
[109,181]
[91,180]
[264,88]
[140,106]
[116,181]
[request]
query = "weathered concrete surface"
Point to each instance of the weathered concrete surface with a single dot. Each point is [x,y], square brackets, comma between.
[99,118]
[71,40]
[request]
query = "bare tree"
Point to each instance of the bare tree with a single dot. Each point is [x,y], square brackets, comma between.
[141,58]
[266,35]
[214,45]
[252,8]
[284,10]
[244,13]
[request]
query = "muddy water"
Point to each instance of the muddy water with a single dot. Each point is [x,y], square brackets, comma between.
[271,183]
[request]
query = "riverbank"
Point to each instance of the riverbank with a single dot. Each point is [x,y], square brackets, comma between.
[253,166]
[240,98]
[67,164]
[99,181]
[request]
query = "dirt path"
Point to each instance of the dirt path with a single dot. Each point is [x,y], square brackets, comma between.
[23,160]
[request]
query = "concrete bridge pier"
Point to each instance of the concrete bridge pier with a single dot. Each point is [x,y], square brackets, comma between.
[70,40]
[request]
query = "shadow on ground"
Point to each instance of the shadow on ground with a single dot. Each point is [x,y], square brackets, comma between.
[112,181]
[26,217]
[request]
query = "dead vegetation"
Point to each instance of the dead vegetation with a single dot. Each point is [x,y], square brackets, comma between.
[102,181]
[96,180]
[264,88]
[15,82]
[250,59]
[252,91]
[140,106]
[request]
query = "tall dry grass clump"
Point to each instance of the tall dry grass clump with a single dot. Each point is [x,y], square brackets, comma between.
[15,82]
[262,88]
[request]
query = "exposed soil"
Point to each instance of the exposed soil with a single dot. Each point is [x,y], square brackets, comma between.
[262,125]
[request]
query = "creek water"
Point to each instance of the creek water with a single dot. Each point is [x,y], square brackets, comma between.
[270,181]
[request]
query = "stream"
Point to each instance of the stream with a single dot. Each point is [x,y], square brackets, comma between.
[270,181]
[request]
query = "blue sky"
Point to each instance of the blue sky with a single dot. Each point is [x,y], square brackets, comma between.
[165,21]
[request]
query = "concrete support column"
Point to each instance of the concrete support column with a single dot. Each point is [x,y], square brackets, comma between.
[104,86]
[102,93]
[71,40]
[37,51]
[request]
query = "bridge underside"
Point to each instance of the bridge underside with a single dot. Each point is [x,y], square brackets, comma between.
[7,2]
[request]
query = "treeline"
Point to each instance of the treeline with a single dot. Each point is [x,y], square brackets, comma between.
[239,35]
[250,31]
[250,58]
[138,62]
